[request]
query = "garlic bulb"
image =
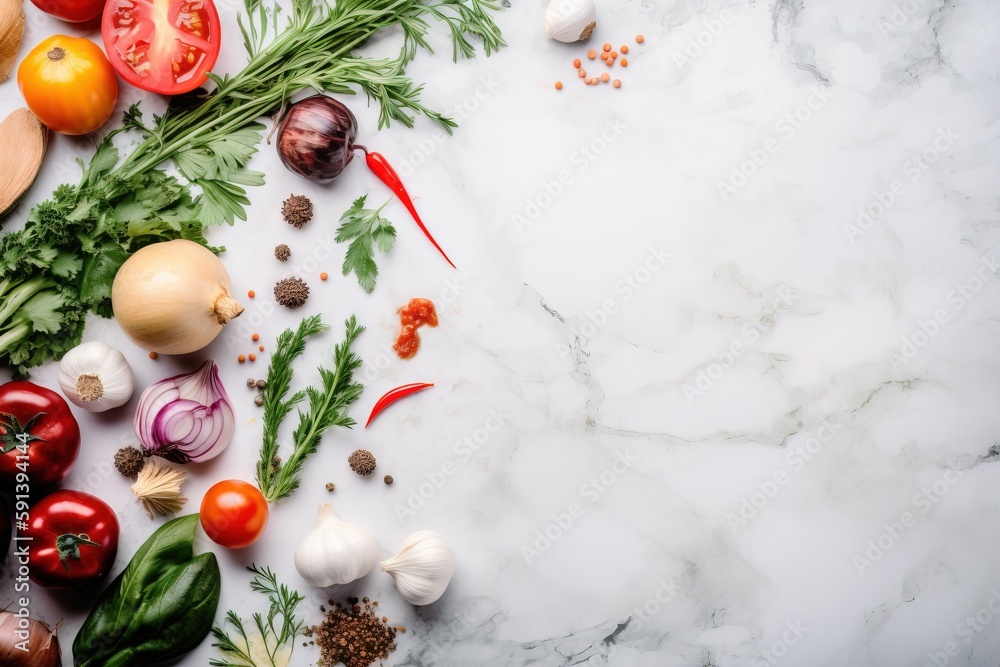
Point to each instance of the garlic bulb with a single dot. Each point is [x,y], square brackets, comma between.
[423,567]
[96,376]
[335,552]
[570,20]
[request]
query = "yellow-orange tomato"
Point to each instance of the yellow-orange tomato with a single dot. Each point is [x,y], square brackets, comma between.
[69,84]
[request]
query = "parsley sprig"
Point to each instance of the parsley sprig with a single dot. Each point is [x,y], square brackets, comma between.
[270,641]
[327,404]
[364,228]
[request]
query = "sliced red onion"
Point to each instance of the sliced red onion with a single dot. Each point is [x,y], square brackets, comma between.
[187,417]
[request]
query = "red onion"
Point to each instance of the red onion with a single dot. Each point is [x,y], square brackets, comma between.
[316,138]
[187,417]
[25,642]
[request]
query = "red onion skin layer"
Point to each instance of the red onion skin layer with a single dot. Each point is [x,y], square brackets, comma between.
[186,418]
[43,644]
[316,138]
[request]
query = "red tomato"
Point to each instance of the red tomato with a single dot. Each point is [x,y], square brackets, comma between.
[74,540]
[73,11]
[163,46]
[234,513]
[39,436]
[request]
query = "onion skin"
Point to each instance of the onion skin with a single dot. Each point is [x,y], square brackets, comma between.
[173,297]
[316,138]
[43,644]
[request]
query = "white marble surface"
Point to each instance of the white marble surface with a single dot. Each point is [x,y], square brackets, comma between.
[675,422]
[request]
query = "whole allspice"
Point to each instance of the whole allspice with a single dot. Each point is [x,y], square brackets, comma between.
[291,292]
[297,210]
[362,462]
[282,252]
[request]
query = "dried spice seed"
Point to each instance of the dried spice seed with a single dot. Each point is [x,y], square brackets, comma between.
[129,461]
[282,252]
[330,486]
[261,384]
[251,383]
[258,400]
[291,292]
[362,462]
[387,479]
[297,210]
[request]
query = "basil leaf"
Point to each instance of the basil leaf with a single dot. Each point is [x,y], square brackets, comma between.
[160,608]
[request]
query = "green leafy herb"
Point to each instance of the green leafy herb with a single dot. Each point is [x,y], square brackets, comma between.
[159,608]
[327,404]
[364,228]
[270,640]
[75,241]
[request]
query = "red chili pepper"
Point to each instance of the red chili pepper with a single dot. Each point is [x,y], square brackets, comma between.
[394,395]
[379,166]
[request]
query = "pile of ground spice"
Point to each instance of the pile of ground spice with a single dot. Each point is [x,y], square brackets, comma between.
[356,636]
[291,292]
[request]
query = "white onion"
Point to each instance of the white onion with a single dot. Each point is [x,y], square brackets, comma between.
[173,297]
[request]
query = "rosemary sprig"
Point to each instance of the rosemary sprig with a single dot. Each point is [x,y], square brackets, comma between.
[327,404]
[277,631]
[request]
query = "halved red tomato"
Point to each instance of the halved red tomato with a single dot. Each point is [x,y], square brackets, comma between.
[163,46]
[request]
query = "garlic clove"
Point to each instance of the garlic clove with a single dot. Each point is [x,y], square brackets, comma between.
[335,552]
[96,376]
[423,567]
[570,20]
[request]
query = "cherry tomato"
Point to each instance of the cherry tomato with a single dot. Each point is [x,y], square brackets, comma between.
[69,84]
[163,46]
[73,11]
[73,540]
[234,513]
[39,436]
